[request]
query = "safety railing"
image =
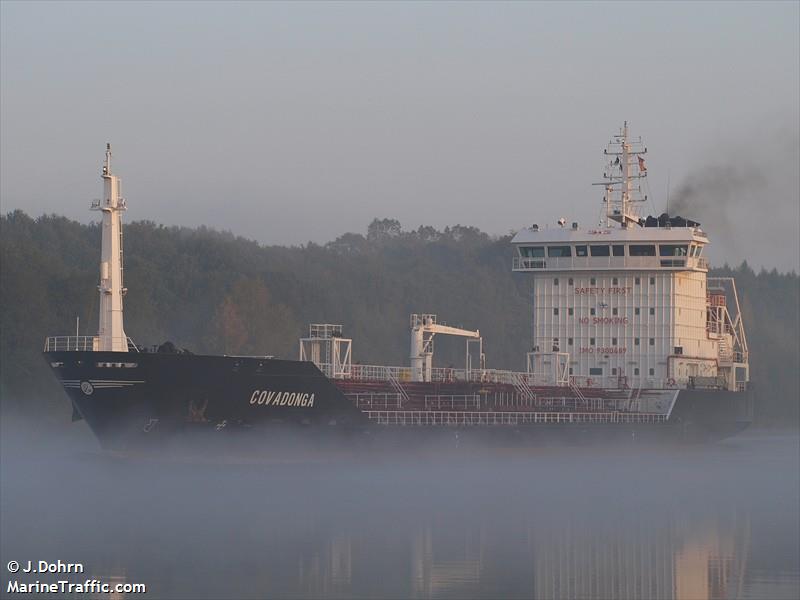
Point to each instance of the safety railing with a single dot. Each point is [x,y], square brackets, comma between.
[522,263]
[479,418]
[379,373]
[613,382]
[517,379]
[453,402]
[372,401]
[444,375]
[78,343]
[73,343]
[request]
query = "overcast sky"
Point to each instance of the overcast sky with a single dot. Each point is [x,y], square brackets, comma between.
[295,122]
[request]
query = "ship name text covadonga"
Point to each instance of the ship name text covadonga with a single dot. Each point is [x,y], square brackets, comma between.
[271,398]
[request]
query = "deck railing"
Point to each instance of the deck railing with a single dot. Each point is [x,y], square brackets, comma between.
[372,401]
[479,418]
[78,343]
[452,402]
[439,375]
[497,376]
[524,263]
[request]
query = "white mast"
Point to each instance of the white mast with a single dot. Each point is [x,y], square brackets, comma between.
[111,333]
[620,194]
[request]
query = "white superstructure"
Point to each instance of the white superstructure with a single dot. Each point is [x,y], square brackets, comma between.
[628,303]
[111,334]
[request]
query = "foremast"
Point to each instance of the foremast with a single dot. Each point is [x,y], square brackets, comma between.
[111,334]
[624,169]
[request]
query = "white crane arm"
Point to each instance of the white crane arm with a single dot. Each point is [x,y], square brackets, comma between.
[445,330]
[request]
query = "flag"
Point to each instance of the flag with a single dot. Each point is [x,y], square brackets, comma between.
[642,168]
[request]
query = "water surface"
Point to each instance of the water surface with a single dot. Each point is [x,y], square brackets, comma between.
[638,522]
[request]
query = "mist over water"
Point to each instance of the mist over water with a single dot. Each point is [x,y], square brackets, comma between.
[436,520]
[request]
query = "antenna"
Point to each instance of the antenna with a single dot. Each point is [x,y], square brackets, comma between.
[620,194]
[667,211]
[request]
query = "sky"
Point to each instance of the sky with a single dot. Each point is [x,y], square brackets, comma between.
[297,122]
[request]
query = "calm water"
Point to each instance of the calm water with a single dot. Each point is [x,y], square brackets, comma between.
[719,521]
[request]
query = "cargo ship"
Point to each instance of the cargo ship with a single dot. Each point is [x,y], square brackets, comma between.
[631,339]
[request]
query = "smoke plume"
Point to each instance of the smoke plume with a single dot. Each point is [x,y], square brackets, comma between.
[748,203]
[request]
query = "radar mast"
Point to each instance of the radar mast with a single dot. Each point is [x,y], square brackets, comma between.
[623,193]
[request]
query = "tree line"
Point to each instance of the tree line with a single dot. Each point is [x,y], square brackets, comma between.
[213,292]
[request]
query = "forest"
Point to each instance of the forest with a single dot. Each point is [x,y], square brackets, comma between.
[214,292]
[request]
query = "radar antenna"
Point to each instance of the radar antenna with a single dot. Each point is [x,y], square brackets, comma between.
[625,165]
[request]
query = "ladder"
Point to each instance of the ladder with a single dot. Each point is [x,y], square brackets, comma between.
[576,390]
[397,385]
[635,401]
[724,352]
[522,388]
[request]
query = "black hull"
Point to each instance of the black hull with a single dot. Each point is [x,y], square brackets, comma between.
[711,414]
[150,399]
[158,395]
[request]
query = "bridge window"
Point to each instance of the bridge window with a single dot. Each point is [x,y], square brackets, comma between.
[636,310]
[652,311]
[555,281]
[599,250]
[652,371]
[614,371]
[580,251]
[591,341]
[652,281]
[613,341]
[569,341]
[592,311]
[642,249]
[559,251]
[595,370]
[615,311]
[570,311]
[532,251]
[615,281]
[638,281]
[672,249]
[592,281]
[652,341]
[635,341]
[555,311]
[636,371]
[618,250]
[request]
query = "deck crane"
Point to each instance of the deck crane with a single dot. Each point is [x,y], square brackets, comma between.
[423,328]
